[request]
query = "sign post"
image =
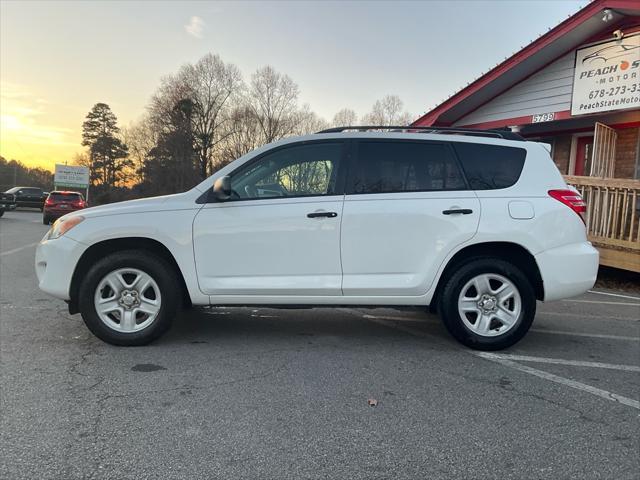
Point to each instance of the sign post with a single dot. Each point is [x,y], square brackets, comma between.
[72,176]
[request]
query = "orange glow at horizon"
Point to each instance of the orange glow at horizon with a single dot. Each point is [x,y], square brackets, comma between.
[27,133]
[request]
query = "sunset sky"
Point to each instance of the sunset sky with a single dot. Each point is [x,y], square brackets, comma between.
[57,59]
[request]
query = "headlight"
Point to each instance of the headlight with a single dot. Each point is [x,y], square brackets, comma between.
[63,225]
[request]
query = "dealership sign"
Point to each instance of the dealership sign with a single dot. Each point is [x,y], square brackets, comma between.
[71,176]
[607,77]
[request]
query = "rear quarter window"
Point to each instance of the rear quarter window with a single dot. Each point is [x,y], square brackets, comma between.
[490,167]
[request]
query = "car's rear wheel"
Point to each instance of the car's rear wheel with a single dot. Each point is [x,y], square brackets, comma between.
[46,220]
[129,298]
[488,304]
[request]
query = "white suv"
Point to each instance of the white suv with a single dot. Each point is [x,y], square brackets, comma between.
[476,225]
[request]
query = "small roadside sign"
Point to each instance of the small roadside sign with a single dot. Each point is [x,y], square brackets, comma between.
[71,176]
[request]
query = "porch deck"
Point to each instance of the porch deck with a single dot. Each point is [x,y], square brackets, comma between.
[612,218]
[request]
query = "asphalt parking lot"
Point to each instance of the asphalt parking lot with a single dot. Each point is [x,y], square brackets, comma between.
[263,393]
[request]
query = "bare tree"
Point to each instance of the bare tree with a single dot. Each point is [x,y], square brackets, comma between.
[208,87]
[344,118]
[387,111]
[81,159]
[244,134]
[307,122]
[273,99]
[213,85]
[140,137]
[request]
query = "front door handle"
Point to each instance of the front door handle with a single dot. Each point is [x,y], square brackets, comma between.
[463,211]
[322,214]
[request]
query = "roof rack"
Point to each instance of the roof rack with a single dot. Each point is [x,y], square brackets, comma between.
[504,134]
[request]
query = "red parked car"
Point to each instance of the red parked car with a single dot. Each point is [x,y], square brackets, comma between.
[59,203]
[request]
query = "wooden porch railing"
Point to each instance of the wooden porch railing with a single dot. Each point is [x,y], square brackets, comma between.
[613,210]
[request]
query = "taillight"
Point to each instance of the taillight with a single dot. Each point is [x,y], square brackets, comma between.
[48,202]
[571,199]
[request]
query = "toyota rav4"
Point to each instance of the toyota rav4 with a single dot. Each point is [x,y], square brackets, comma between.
[476,225]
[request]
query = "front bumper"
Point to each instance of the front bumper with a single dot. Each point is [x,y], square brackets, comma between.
[55,263]
[569,270]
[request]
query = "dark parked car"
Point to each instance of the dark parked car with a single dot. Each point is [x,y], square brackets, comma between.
[29,196]
[60,203]
[7,202]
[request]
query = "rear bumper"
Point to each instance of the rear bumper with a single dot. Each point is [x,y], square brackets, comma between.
[57,213]
[55,264]
[569,270]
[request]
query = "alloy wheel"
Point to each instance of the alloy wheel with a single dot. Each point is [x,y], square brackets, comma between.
[127,300]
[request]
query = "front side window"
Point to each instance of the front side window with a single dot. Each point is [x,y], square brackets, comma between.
[385,167]
[296,171]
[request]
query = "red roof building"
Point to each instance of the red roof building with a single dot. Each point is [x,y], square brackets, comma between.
[577,87]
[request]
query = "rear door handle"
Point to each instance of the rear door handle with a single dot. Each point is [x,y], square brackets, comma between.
[322,214]
[463,211]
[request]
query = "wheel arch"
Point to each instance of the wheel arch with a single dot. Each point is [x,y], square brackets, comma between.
[106,247]
[511,252]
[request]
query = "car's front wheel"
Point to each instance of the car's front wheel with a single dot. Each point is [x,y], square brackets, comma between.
[488,304]
[129,298]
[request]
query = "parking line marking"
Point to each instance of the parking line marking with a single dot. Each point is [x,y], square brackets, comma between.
[16,250]
[582,315]
[614,295]
[591,335]
[614,397]
[604,303]
[560,361]
[535,330]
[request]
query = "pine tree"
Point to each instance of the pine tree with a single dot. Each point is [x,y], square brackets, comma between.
[108,154]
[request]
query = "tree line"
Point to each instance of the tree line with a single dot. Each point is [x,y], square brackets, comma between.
[200,119]
[14,173]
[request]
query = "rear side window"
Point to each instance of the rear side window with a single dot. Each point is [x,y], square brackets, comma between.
[490,167]
[385,167]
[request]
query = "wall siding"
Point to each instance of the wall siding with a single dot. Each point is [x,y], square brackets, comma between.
[546,91]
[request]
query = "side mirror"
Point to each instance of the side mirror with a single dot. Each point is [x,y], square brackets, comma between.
[222,188]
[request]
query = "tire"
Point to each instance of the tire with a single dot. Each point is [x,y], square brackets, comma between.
[109,327]
[1,211]
[515,311]
[46,220]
